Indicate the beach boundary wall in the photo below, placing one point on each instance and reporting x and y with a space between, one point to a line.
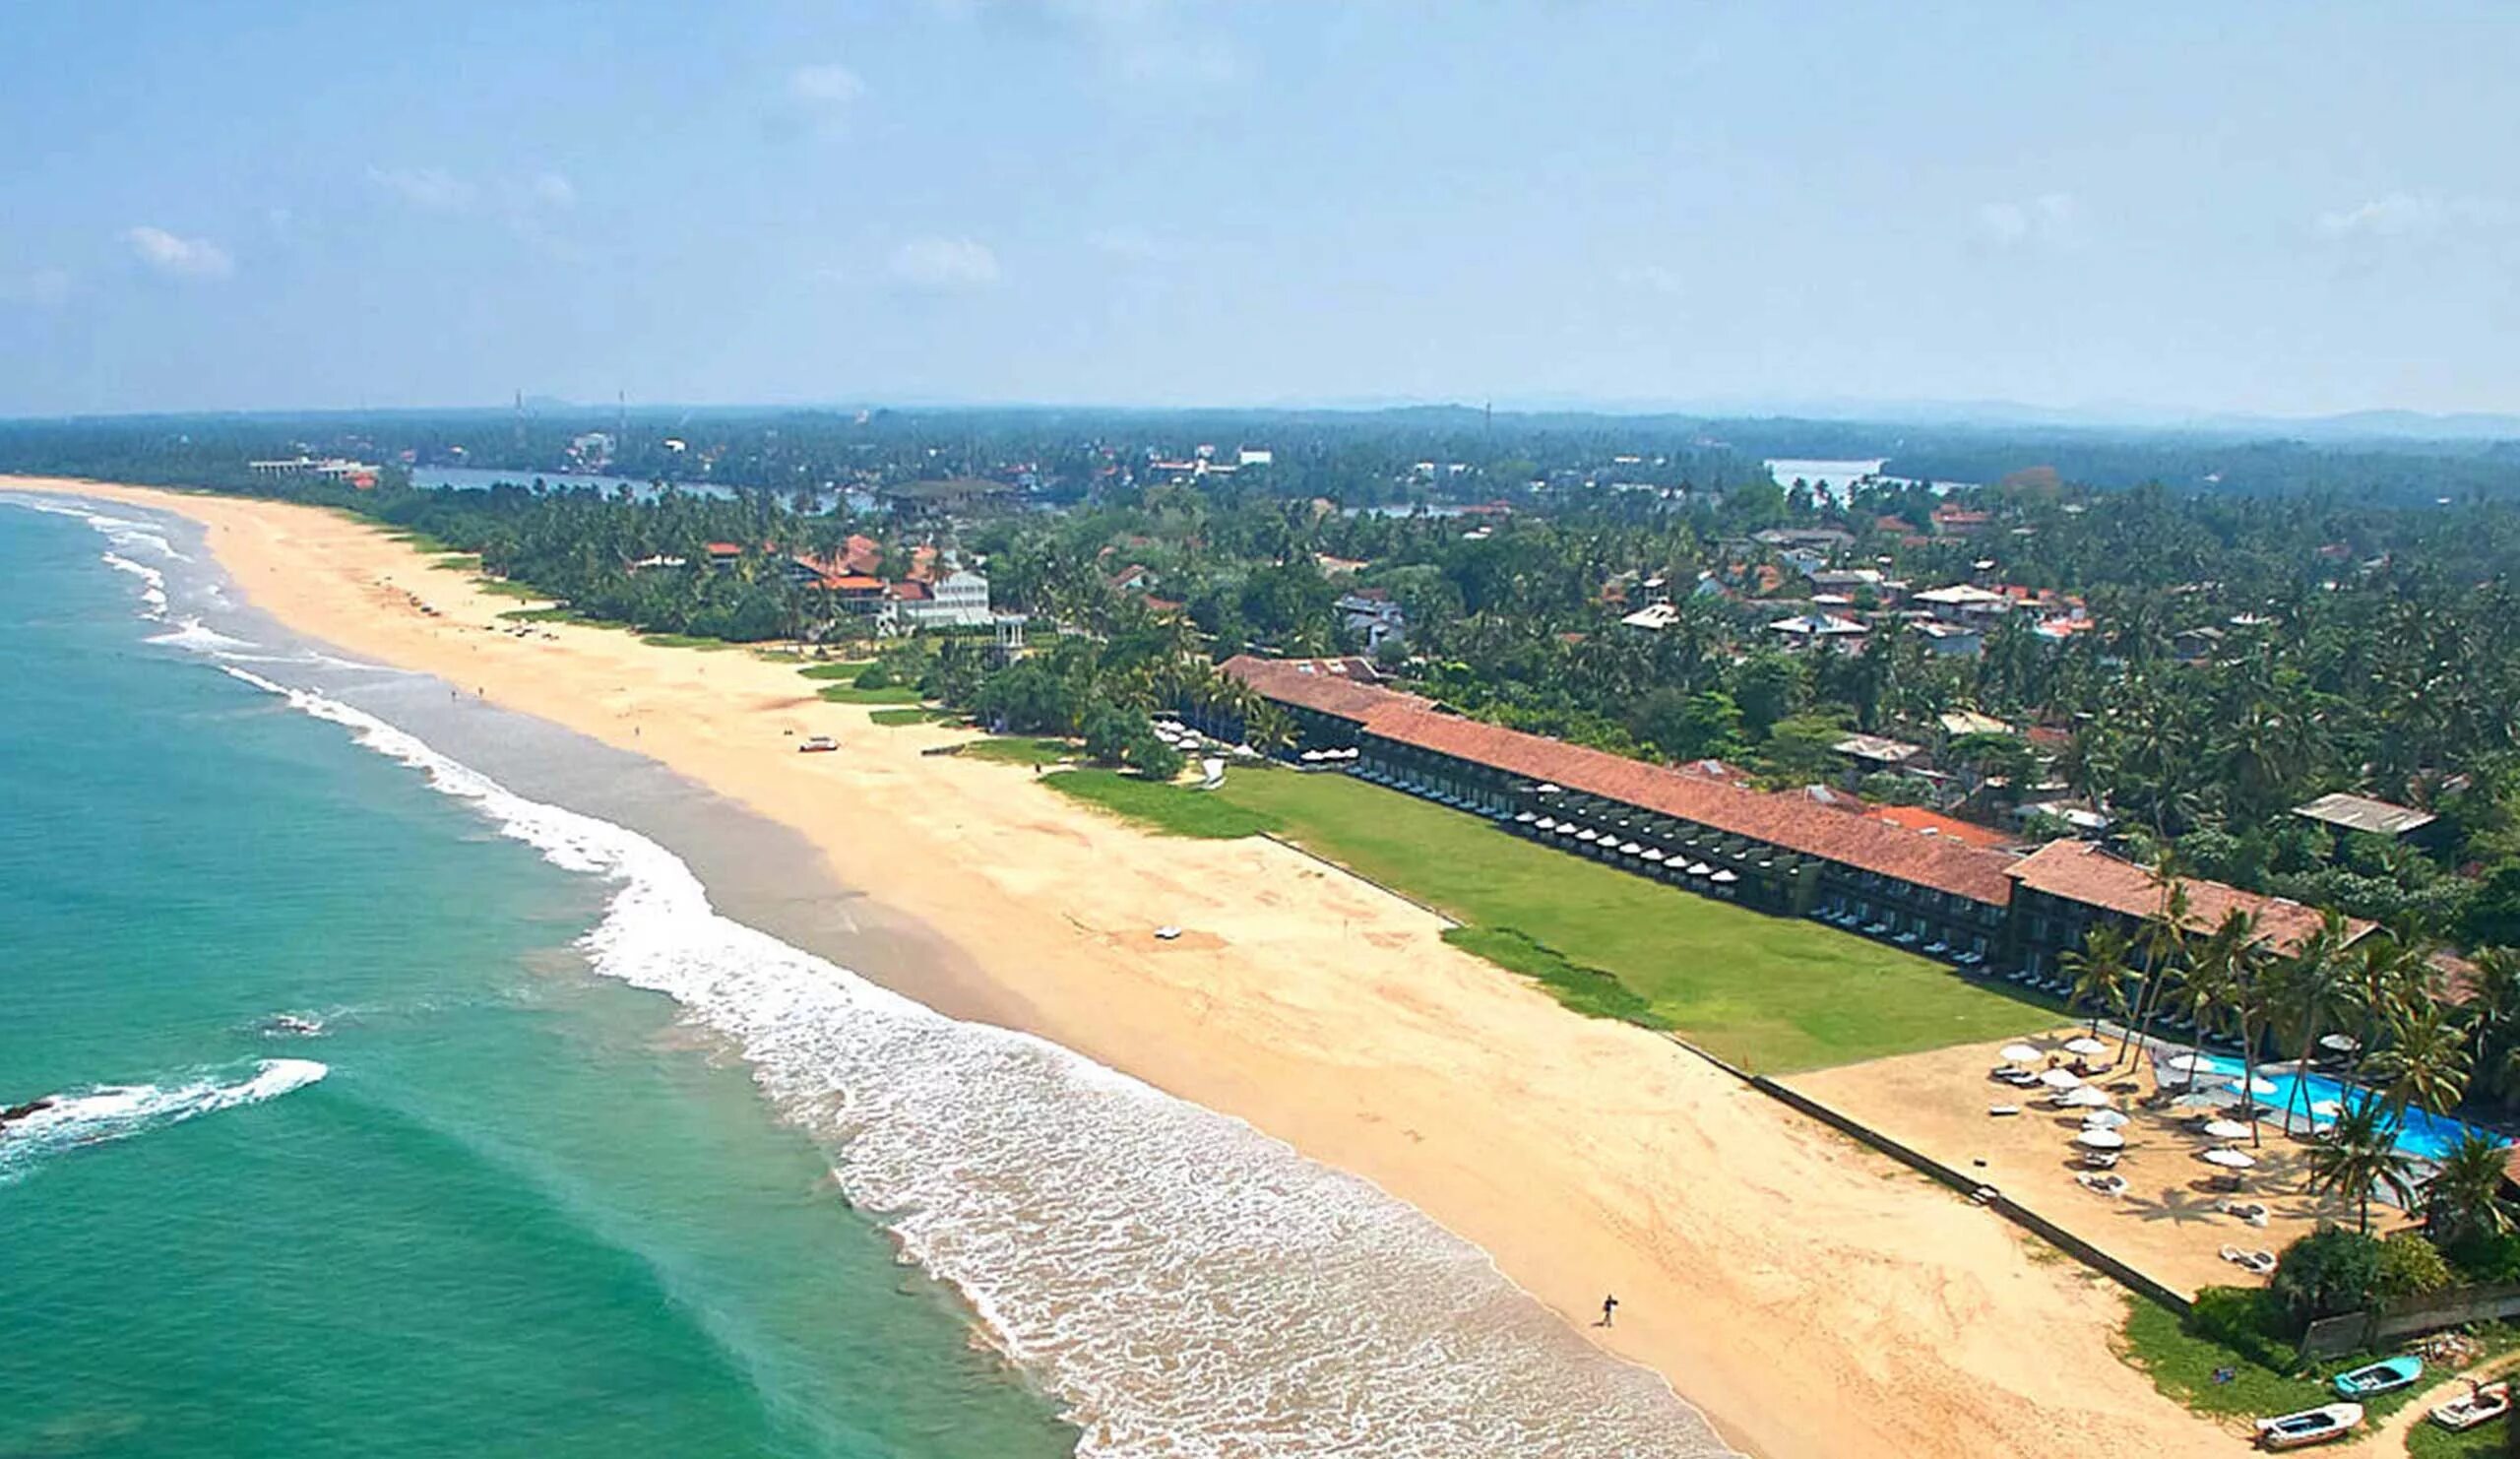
2353 1332
1976 1189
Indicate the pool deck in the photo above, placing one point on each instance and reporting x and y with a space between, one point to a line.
2169 1224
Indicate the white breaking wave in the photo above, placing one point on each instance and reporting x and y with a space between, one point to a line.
114 1111
192 633
152 583
1186 1286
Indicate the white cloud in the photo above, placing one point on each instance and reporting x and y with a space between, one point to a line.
1654 278
944 264
432 188
2405 215
552 190
824 87
36 287
1129 245
2049 218
185 258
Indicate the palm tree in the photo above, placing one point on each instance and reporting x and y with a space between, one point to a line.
2099 973
2426 1061
2359 1154
2307 993
2466 1193
2374 979
2163 943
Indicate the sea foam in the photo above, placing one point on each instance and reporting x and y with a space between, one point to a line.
1185 1285
115 1111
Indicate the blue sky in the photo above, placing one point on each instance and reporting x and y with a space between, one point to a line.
2291 209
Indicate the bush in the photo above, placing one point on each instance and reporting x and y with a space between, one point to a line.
2486 1256
2409 1266
1153 758
2330 1271
876 675
1109 731
2248 1320
1886 788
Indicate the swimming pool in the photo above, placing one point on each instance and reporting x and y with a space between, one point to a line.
2423 1135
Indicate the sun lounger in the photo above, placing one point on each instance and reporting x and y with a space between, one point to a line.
2003 1110
2111 1185
2100 1160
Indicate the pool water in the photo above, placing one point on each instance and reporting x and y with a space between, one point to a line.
2422 1134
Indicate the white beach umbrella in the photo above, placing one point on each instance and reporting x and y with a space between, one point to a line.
2085 1045
1700 870
1724 876
2325 1108
2019 1053
2100 1139
1315 756
2339 1042
2225 1129
2185 1062
1653 855
2107 1120
1588 834
2087 1097
2256 1086
2231 1160
2061 1079
1631 849
1545 823
1547 791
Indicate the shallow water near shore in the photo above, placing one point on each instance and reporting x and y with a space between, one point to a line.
1175 1281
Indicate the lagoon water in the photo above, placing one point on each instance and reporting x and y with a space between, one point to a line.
577 1161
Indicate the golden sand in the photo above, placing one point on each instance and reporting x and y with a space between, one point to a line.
1814 1299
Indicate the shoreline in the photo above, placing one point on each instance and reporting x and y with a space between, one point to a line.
1760 1262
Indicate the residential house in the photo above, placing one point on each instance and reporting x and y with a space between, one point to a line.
1819 631
2363 815
1951 640
1372 613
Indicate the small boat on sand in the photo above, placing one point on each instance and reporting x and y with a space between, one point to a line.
819 744
2483 1403
2387 1376
2309 1426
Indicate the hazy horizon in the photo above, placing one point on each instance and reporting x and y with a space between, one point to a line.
2137 217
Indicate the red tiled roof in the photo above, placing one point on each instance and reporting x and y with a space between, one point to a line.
850 583
1343 687
2080 872
1917 818
1789 822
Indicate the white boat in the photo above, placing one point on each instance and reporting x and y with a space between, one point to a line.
2482 1404
2309 1426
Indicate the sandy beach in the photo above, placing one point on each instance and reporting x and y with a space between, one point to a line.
1814 1299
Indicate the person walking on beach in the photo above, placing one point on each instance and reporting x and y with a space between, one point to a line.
1610 1304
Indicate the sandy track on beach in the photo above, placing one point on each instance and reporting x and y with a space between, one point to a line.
1815 1299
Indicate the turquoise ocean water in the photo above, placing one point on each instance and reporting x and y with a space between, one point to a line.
580 1163
518 1213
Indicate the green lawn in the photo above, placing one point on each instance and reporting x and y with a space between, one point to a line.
835 670
915 715
2430 1441
459 562
2182 1366
1171 809
1774 994
848 693
1017 749
502 587
685 641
